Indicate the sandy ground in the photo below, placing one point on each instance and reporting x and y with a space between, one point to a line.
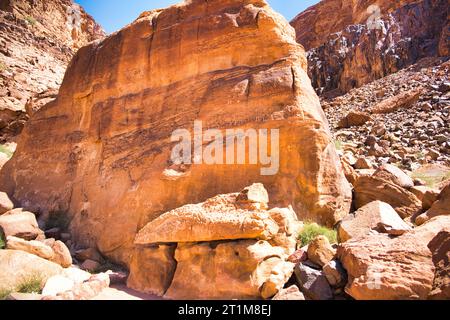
121 292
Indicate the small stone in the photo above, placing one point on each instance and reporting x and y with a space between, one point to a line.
313 283
335 274
90 265
5 203
363 163
320 251
291 293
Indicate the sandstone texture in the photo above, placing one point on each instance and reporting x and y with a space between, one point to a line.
361 42
440 248
101 151
217 250
381 268
375 216
411 137
18 266
440 207
37 40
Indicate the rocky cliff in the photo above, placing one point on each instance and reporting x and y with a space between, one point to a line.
361 42
102 151
37 40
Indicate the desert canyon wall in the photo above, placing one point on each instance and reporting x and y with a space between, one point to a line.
362 41
101 151
37 41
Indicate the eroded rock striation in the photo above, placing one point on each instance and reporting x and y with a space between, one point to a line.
101 151
361 42
37 40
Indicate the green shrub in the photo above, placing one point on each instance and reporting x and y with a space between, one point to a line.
432 179
338 144
2 242
312 230
6 151
31 284
4 294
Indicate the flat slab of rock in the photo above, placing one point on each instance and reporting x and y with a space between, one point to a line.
19 266
378 216
382 268
219 218
395 175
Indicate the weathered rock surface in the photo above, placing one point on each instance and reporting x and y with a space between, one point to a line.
377 216
107 135
335 274
351 44
219 218
427 195
21 224
354 118
37 41
313 283
247 269
5 203
440 248
291 293
201 252
33 247
383 268
320 251
152 269
370 189
408 137
61 254
18 266
395 175
439 208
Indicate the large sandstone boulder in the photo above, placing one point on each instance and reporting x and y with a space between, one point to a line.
440 248
375 216
370 188
102 151
18 267
247 269
219 218
152 269
382 268
395 175
21 224
216 250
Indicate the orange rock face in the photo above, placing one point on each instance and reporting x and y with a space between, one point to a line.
101 151
313 29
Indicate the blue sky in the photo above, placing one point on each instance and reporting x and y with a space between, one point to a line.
114 14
